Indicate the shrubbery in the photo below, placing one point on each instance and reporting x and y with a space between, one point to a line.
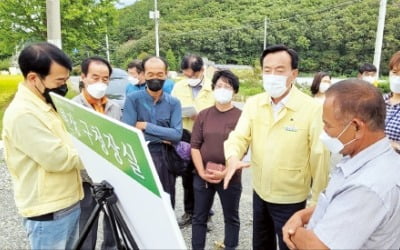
250 83
383 86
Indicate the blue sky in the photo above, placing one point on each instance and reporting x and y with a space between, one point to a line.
124 3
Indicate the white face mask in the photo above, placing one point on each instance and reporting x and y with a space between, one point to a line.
274 85
193 82
324 86
333 144
394 83
369 79
133 80
97 90
223 95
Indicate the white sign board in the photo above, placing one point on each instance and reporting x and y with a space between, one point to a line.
117 153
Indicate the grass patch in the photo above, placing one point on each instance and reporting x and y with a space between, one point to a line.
250 83
71 93
8 87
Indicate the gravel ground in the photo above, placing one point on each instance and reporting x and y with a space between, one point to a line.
217 234
12 233
13 236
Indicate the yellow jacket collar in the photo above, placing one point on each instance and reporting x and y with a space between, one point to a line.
27 94
292 101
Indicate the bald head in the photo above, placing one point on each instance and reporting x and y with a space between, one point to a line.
153 61
353 98
155 68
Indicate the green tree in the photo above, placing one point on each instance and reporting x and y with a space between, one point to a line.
5 64
171 59
142 55
84 24
330 35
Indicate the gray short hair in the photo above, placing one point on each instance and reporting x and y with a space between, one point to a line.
357 98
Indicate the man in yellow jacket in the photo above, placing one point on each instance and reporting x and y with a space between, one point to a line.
282 129
195 94
39 153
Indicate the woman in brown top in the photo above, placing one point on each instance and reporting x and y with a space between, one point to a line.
211 129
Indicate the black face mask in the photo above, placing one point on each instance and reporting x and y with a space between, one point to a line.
155 84
62 91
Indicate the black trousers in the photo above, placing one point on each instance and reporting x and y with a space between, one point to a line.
268 220
87 206
166 177
188 192
204 197
187 180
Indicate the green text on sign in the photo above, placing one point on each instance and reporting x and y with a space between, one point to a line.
118 145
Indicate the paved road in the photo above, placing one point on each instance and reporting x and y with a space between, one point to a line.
13 236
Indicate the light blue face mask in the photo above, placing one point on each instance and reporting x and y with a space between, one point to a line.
333 144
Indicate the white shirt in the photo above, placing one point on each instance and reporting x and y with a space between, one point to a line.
277 107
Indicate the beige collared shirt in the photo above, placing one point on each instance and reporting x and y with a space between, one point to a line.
277 107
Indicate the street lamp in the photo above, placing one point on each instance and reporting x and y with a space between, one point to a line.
155 15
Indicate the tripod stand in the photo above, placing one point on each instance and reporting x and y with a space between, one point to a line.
106 201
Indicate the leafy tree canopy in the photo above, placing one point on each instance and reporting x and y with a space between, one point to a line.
330 35
84 24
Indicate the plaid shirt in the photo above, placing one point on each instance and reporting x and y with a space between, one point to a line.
392 121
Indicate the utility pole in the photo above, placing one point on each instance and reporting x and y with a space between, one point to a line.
107 47
53 22
155 15
265 32
379 35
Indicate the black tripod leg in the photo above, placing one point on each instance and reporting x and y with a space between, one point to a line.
111 219
106 201
125 232
93 216
124 237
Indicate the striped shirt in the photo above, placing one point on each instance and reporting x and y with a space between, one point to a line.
392 128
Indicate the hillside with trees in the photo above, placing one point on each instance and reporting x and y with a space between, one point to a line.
331 35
